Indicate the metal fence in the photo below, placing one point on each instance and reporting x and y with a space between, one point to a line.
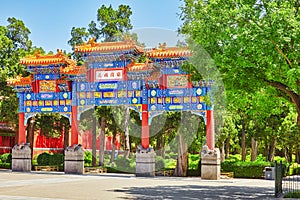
285 184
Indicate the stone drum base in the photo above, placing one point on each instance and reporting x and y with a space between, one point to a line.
210 164
21 158
74 159
145 162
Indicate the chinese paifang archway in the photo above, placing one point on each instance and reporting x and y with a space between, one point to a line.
111 77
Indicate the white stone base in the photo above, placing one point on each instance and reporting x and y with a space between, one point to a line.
74 160
210 164
21 158
145 163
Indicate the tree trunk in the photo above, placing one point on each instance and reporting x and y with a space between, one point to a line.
272 150
158 144
298 156
126 135
182 158
30 134
227 147
102 140
287 154
243 142
222 152
94 140
254 149
66 136
112 156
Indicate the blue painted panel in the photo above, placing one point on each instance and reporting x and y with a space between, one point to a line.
170 107
175 92
82 87
65 109
47 96
122 85
21 102
134 85
92 86
65 95
46 76
107 86
199 91
28 96
106 102
156 107
153 93
115 64
136 100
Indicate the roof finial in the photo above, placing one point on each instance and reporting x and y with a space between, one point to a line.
92 40
162 46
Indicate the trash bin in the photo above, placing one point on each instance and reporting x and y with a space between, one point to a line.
270 173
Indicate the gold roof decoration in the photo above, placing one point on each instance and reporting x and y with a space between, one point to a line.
106 47
19 80
168 52
73 70
38 59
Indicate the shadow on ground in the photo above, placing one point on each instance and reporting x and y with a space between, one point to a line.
197 192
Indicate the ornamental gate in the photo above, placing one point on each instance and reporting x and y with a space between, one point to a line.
111 77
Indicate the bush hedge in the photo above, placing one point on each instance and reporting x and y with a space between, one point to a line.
50 159
245 169
159 163
124 165
88 158
6 158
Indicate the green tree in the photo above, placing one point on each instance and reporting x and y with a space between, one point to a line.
78 36
111 22
14 44
253 43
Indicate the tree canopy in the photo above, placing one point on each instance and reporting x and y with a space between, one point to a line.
255 44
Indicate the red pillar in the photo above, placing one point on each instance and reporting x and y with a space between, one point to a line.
145 126
74 128
22 129
210 129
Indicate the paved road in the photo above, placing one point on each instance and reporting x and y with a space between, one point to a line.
58 186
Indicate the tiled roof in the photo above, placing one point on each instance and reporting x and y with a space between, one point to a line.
38 59
135 67
73 70
19 80
106 47
169 52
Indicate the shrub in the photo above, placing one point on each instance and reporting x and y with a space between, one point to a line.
296 171
88 158
292 195
56 159
6 158
193 161
123 164
50 159
43 159
159 163
245 169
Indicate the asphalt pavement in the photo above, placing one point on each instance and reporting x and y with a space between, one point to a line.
59 186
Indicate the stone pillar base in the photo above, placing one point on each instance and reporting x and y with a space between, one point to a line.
210 164
21 158
145 162
74 159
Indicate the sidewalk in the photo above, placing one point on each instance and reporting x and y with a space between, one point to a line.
58 186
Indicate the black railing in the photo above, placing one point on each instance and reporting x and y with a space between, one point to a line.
285 184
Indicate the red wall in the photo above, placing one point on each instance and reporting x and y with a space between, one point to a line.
56 145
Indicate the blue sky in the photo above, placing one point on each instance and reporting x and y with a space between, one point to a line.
51 21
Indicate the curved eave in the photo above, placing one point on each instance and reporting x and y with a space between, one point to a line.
41 61
171 54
